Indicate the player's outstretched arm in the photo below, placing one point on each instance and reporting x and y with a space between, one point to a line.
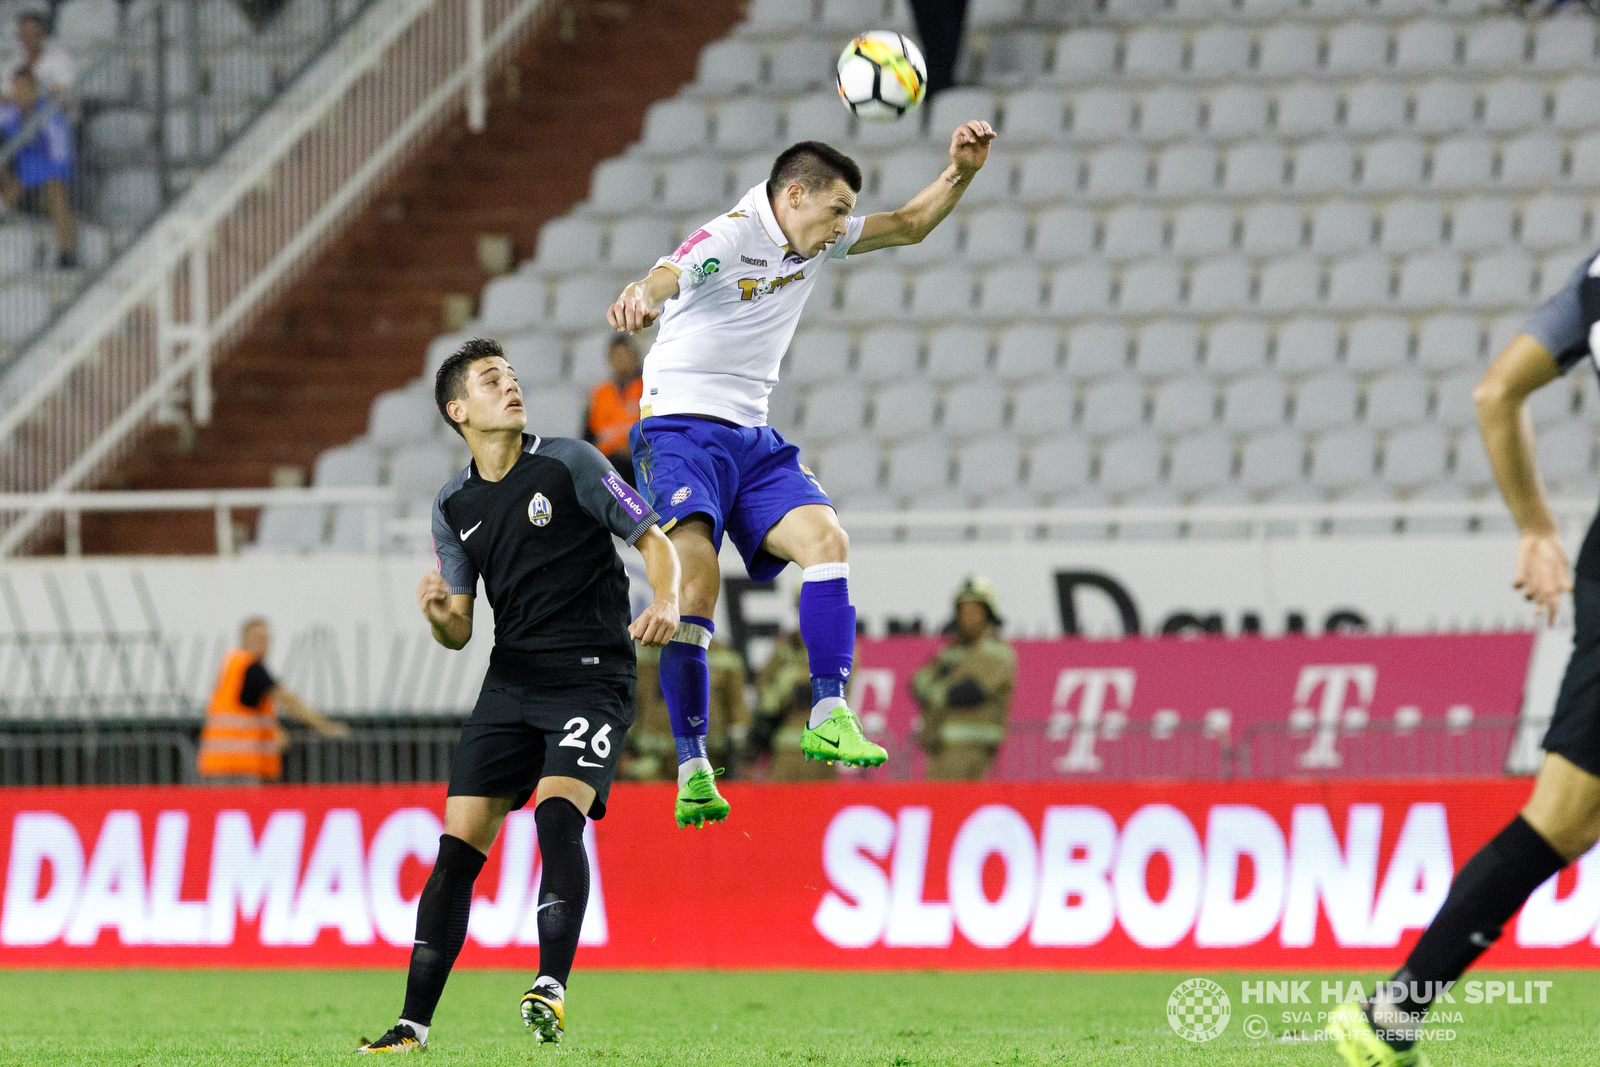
969 150
1525 365
658 622
638 306
450 614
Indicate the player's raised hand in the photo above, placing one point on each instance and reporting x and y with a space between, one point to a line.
632 311
969 145
1542 572
656 624
433 593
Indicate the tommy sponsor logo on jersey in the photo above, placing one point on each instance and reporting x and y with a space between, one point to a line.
539 510
755 288
626 496
680 496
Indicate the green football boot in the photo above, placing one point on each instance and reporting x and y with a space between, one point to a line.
839 739
699 802
1360 1044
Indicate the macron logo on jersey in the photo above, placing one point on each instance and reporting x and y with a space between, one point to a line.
626 496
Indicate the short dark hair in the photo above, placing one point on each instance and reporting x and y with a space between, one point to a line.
35 16
814 165
452 376
25 73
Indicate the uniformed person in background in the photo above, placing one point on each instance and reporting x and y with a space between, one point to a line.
964 692
783 707
652 754
242 742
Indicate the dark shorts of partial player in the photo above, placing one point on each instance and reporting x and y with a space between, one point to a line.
1574 731
744 479
519 734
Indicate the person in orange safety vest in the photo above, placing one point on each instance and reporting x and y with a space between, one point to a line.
614 406
241 742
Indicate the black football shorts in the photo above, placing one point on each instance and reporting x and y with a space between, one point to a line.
519 734
1575 725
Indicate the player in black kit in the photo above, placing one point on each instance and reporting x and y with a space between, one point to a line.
534 517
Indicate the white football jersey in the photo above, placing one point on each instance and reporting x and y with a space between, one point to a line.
740 295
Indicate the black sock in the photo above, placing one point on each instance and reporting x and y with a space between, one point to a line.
441 926
1489 889
563 885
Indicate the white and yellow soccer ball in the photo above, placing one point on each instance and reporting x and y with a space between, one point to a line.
882 75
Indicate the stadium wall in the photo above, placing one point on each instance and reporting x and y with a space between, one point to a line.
1285 874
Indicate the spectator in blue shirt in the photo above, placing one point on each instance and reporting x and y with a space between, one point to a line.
38 175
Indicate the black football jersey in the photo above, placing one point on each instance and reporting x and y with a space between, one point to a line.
541 540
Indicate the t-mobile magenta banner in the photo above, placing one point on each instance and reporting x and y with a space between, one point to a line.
1333 873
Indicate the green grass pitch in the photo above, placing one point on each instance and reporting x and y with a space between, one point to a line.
157 1018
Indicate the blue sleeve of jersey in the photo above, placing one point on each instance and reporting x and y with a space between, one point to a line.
454 566
1560 323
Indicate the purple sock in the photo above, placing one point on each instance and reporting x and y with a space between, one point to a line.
686 684
828 626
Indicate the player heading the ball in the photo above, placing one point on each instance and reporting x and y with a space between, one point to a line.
729 299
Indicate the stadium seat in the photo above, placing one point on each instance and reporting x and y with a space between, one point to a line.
1152 51
1512 104
1271 460
849 466
1272 228
128 198
1184 404
1397 399
354 464
1219 52
1133 232
834 409
956 353
1554 403
1325 166
1307 109
1166 348
1563 42
1084 55
974 408
1425 45
1552 221
289 528
637 242
620 185
996 234
1496 43
1392 165
1375 107
1481 223
555 412
1043 409
1429 279
1168 113
1343 458
1356 48
535 357
1445 342
1200 462
988 466
1253 167
1150 286
943 293
817 117
242 76
1414 456
1341 226
1062 233
1237 346
903 409
874 293
1288 48
420 470
906 173
1577 104
1566 452
1254 403
816 356
1359 281
120 133
1130 464
569 243
1412 225
1199 230
1377 343
1220 285
1113 406
1291 282
1080 289
729 66
673 126
1117 172
401 417
1326 401
581 301
1501 278
1307 344
1532 160
81 25
1046 175
590 362
1059 464
1027 351
694 184
1015 57
955 106
1186 170
1444 106
888 353
1237 111
746 124
1465 162
1011 291
918 466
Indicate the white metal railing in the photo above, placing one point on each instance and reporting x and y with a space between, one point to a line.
137 349
1227 522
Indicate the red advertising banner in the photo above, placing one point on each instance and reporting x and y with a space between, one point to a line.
1217 707
1340 873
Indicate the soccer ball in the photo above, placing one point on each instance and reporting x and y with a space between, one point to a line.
881 75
